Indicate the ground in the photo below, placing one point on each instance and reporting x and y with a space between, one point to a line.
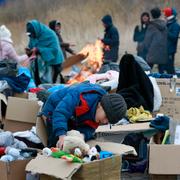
134 176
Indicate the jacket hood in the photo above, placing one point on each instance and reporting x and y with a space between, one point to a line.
52 24
5 34
107 20
159 24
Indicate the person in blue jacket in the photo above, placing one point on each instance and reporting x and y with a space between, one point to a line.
82 107
44 43
173 35
110 40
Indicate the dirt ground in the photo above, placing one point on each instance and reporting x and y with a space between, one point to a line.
134 176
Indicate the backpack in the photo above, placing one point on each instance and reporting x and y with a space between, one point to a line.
139 142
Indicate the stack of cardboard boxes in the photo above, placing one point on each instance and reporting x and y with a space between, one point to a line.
20 116
164 159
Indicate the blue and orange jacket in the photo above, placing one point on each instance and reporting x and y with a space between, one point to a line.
74 107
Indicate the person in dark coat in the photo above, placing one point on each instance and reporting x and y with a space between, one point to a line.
82 107
110 40
139 32
134 85
173 35
56 27
155 41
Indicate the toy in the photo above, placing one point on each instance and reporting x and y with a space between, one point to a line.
56 153
93 154
74 140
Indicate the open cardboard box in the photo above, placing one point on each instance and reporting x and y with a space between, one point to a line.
21 114
164 159
51 168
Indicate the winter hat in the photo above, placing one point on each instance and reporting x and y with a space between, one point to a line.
161 123
155 13
168 12
114 106
5 34
107 20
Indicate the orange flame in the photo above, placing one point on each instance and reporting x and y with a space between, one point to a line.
92 63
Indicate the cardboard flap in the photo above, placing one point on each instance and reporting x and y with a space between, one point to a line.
41 131
23 110
125 128
164 159
58 168
115 148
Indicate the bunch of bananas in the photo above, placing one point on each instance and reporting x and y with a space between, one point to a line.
138 114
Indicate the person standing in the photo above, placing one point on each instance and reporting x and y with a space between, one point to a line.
139 32
56 27
110 40
173 35
155 41
44 43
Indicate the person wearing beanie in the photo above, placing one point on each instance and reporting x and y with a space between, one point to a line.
139 32
110 40
7 50
155 41
81 107
173 35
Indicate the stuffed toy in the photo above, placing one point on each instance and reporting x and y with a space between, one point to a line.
93 154
56 153
74 143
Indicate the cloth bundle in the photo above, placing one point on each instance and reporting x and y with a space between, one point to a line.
138 115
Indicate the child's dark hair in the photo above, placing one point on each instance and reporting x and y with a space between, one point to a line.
155 13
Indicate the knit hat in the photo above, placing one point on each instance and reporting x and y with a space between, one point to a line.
168 12
5 34
114 106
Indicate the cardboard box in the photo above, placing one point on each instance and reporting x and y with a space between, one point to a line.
21 95
21 114
170 92
164 159
52 168
108 168
14 170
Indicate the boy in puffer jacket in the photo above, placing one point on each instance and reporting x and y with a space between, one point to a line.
82 107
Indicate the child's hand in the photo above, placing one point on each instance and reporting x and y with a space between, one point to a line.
60 142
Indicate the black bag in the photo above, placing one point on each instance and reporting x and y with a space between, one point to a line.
139 142
8 68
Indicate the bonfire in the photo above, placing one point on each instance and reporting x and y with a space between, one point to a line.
91 64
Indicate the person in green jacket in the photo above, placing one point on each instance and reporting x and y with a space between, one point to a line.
43 42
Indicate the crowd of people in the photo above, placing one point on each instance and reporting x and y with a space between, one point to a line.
85 106
157 38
